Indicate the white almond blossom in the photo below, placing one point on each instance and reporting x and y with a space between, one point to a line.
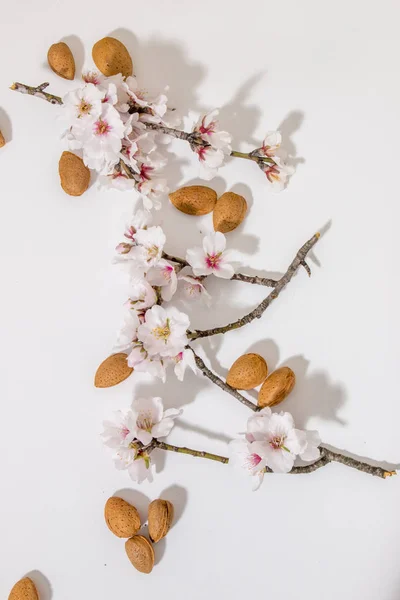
164 331
278 174
102 141
193 288
182 360
208 128
212 155
93 77
119 433
153 190
140 469
152 241
136 462
275 169
151 420
272 441
118 180
210 160
131 433
82 107
127 335
141 219
163 275
110 95
312 451
142 362
212 258
277 440
271 144
243 456
141 294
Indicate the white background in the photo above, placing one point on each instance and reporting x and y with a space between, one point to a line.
326 75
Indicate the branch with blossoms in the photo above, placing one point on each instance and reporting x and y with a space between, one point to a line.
117 128
156 334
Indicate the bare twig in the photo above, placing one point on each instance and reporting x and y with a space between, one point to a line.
183 450
37 91
255 279
262 307
220 383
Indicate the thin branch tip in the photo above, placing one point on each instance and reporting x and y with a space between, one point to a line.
389 474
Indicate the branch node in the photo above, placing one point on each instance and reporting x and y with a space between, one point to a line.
307 268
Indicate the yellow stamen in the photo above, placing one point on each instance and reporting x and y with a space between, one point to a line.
162 333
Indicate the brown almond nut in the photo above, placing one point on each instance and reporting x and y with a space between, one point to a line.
24 589
112 371
276 387
111 57
2 140
61 60
247 372
229 212
160 516
194 199
141 553
74 174
121 517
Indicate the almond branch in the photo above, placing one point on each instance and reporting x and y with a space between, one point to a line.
193 138
299 260
37 91
327 456
255 279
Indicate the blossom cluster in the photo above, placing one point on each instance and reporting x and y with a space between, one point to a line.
118 128
154 336
132 432
272 441
217 147
273 162
107 119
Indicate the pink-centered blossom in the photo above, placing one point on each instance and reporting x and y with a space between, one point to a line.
277 174
271 440
194 288
208 128
281 442
120 432
82 107
93 77
183 360
102 142
151 420
131 433
243 456
210 160
212 258
163 275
